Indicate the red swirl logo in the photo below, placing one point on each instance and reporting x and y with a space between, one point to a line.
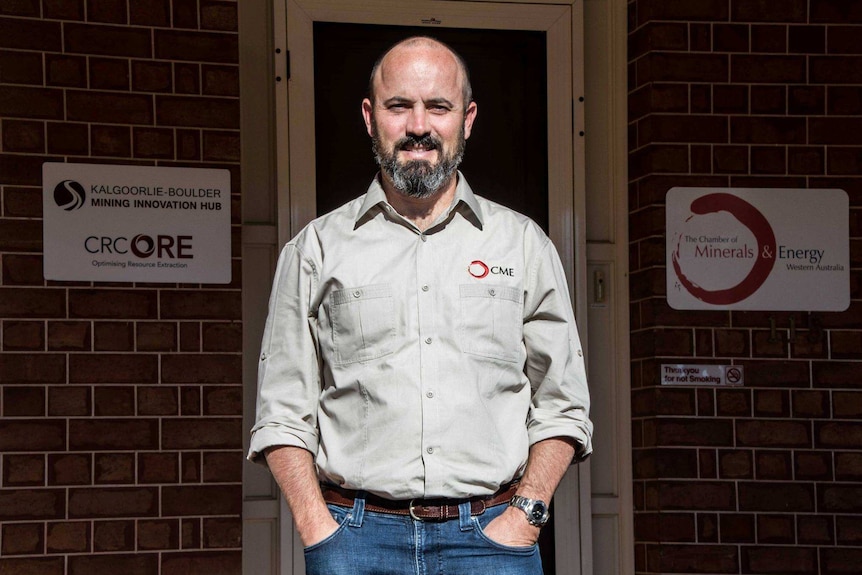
750 217
478 269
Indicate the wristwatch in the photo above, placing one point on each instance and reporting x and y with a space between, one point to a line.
535 509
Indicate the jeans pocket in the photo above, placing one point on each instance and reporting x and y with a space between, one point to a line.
480 532
342 516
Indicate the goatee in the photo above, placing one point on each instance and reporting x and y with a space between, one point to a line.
418 178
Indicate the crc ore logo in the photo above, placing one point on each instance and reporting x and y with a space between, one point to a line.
69 195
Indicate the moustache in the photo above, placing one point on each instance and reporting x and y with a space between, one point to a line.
427 142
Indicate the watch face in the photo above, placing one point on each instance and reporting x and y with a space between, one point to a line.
538 512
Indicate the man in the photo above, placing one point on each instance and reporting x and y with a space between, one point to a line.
421 383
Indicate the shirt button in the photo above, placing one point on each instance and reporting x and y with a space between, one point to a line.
424 237
425 288
427 340
580 353
492 291
263 357
357 293
430 450
430 394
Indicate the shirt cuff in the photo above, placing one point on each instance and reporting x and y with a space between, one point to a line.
581 431
266 435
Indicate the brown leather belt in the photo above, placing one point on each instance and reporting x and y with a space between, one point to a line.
424 509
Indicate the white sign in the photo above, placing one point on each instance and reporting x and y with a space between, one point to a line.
758 249
136 223
682 374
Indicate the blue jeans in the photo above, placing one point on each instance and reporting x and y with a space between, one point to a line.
370 543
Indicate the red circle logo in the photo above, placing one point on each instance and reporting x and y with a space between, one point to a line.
477 269
750 217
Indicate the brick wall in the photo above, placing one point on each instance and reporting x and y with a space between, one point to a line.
121 403
766 478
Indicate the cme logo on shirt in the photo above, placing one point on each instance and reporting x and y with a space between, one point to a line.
479 269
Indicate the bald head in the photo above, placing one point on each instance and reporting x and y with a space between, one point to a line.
420 43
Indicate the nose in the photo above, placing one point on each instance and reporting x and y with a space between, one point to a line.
417 125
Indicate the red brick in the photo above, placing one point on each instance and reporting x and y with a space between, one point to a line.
113 141
148 76
778 497
662 10
113 11
835 70
208 433
849 530
17 169
201 500
222 467
107 40
730 159
32 368
196 46
790 11
665 527
807 39
150 13
836 11
694 559
222 400
785 374
759 433
69 401
113 336
767 560
23 136
814 530
28 34
813 466
24 203
69 469
767 130
109 74
23 335
221 146
768 69
210 368
113 401
109 107
67 138
158 467
676 67
664 401
113 434
190 533
810 403
771 403
156 336
137 564
836 498
69 336
841 561
188 144
113 368
21 67
23 470
158 400
153 143
847 404
64 9
185 13
737 528
113 502
842 435
218 16
767 38
23 539
845 100
114 468
220 80
187 78
158 534
113 304
809 100
32 566
66 71
68 537
21 401
21 102
24 505
768 160
20 235
224 563
224 533
699 495
20 7
773 465
114 535
848 466
190 398
188 111
190 465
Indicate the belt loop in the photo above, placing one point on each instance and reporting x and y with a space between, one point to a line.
357 514
465 516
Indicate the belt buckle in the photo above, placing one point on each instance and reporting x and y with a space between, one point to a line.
412 513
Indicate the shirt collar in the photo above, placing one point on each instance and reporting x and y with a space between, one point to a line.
375 197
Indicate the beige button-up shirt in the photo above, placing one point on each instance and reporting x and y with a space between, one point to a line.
420 364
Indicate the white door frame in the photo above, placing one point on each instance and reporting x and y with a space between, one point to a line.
267 533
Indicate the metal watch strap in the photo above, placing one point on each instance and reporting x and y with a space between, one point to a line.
536 510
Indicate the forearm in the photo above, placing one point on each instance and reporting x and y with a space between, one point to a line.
294 471
547 464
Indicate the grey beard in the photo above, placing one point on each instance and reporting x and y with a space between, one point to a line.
418 178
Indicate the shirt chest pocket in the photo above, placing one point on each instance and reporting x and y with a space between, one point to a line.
491 321
363 326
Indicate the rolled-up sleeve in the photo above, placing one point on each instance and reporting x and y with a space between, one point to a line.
555 360
288 375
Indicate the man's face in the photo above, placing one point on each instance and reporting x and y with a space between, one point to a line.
418 121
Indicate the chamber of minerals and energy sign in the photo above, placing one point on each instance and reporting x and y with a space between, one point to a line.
758 249
136 223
